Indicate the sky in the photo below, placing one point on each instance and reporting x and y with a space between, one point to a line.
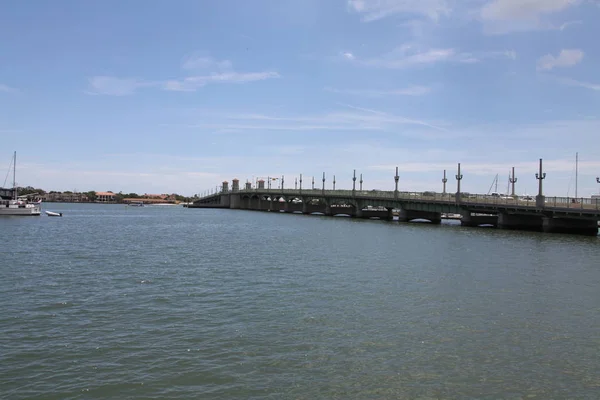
176 97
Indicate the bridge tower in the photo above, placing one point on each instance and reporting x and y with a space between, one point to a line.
512 181
261 184
444 181
225 187
235 185
458 179
248 186
540 200
396 179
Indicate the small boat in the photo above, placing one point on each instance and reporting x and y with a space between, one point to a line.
136 204
16 205
53 214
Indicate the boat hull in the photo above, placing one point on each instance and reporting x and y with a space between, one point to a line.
21 211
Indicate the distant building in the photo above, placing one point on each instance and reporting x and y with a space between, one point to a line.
66 197
105 197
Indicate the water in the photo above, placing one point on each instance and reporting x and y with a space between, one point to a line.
165 302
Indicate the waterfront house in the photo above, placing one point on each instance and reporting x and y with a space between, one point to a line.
105 197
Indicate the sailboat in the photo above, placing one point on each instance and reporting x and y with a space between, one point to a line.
15 205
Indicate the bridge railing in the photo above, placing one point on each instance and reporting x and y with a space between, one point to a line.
466 198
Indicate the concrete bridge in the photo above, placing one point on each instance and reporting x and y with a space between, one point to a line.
546 214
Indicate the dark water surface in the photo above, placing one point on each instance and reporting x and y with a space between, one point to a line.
170 303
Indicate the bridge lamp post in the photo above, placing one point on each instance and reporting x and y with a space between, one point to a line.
444 181
282 181
334 182
512 181
354 184
539 200
300 183
313 183
296 184
458 179
361 182
323 190
396 179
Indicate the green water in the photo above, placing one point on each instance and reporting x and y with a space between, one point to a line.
115 302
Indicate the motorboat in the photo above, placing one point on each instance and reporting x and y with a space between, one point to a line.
53 214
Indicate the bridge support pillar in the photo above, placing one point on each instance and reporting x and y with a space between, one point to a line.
234 201
358 212
389 216
328 210
409 215
520 222
588 227
225 200
468 219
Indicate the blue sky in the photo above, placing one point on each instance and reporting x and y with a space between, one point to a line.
179 96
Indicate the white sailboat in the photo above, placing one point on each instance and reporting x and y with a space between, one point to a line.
15 206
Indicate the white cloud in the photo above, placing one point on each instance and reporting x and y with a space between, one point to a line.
215 72
407 56
373 10
569 23
566 58
506 16
523 9
7 89
409 91
107 85
573 82
192 83
348 56
355 120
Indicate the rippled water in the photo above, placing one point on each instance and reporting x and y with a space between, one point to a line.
166 302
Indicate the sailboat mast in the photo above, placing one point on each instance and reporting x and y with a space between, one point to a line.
576 172
15 175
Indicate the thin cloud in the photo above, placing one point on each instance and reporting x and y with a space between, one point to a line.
7 89
478 168
375 10
193 83
409 91
566 58
111 86
523 10
407 56
576 83
358 119
507 16
215 72
569 23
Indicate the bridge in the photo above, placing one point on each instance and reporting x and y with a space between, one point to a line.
545 214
